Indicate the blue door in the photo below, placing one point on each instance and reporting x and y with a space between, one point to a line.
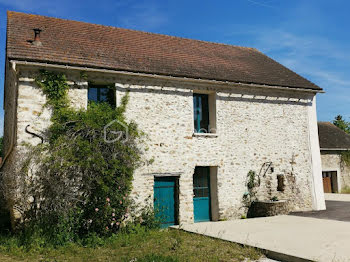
201 191
165 200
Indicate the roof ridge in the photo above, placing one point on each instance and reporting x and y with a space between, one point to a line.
134 30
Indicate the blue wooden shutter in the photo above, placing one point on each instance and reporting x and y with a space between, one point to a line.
201 113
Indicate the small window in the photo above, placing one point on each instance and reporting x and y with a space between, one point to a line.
204 112
201 113
201 182
101 94
280 183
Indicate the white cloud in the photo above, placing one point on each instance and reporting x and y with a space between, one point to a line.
20 4
142 16
48 7
312 56
261 3
319 59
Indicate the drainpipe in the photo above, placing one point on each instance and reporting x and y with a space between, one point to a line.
12 142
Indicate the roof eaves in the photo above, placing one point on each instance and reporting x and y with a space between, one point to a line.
144 73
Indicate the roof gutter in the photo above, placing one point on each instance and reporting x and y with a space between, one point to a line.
175 78
334 149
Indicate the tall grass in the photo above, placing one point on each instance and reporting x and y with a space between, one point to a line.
132 244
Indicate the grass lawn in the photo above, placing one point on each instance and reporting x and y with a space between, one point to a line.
143 246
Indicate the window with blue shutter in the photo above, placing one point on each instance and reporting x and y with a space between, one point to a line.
101 94
201 113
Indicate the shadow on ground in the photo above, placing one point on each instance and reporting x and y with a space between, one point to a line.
336 210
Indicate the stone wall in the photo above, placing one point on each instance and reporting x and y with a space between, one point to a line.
331 161
254 127
31 109
268 208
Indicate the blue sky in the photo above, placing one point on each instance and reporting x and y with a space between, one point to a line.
310 37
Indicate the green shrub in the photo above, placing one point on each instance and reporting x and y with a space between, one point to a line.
82 181
81 175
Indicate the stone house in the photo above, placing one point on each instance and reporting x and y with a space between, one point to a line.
333 143
212 112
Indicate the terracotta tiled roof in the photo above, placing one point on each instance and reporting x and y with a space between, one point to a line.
78 43
332 137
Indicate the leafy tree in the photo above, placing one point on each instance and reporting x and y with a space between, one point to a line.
341 123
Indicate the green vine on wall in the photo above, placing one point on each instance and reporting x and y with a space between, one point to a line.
253 182
345 158
81 179
54 87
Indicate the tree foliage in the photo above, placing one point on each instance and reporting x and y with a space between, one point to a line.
342 124
345 126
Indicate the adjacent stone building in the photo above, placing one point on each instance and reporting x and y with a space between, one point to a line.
334 143
212 112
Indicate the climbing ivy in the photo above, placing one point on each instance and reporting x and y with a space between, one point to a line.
54 87
81 179
345 158
252 183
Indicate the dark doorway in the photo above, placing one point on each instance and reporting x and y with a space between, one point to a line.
330 181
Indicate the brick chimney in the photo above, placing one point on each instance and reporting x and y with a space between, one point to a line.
37 41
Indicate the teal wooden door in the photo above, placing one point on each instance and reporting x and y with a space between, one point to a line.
201 191
165 200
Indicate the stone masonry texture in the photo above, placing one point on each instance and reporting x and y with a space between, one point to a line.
331 161
253 127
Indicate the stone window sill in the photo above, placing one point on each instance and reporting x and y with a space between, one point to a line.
205 135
